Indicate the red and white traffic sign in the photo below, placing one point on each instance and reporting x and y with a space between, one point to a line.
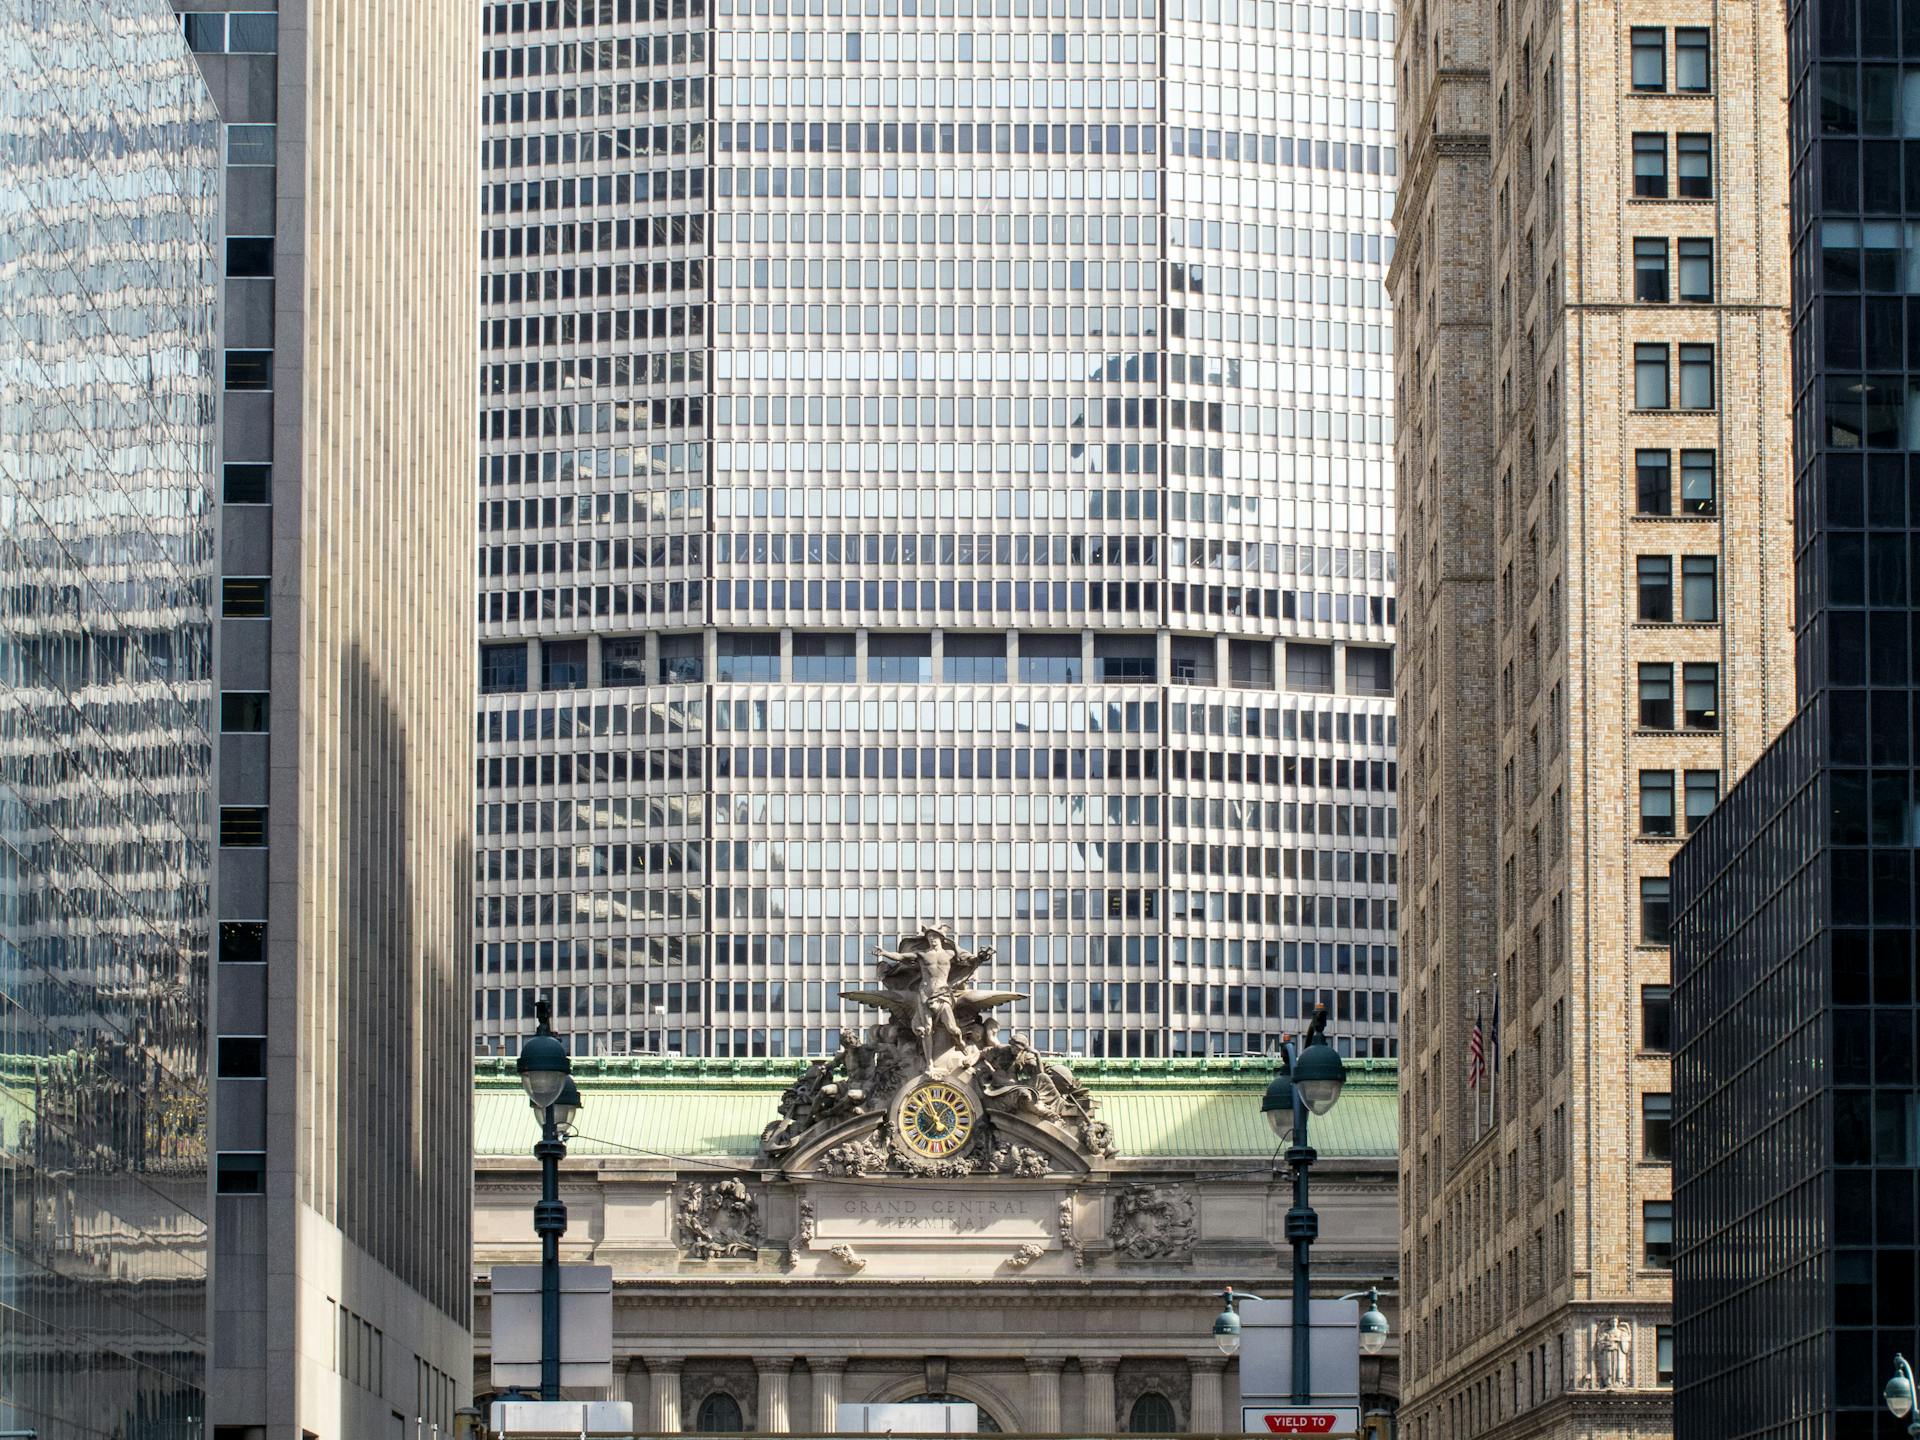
1300 1420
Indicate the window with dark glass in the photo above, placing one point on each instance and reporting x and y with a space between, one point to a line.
1310 668
246 484
1692 59
240 1172
1700 697
1656 802
1656 1220
1656 1017
503 668
206 32
1050 658
1655 588
623 661
250 145
1663 1354
1369 671
1655 910
682 659
1650 270
1656 1127
974 659
243 712
1649 60
1703 795
1650 388
241 1057
1653 482
1650 165
245 597
563 665
253 33
1656 697
243 942
243 827
1696 270
827 658
746 656
719 1414
1152 1414
1699 484
1125 659
249 369
1693 166
900 659
1699 589
249 256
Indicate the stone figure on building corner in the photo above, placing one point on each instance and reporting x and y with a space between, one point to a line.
932 1089
1611 1342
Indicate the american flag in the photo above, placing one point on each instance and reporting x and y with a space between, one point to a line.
1476 1056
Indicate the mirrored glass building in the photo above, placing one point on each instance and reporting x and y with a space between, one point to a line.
1796 1119
109 216
936 468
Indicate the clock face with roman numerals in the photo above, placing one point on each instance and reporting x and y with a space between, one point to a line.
936 1120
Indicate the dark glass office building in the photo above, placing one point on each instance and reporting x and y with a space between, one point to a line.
109 215
1796 1129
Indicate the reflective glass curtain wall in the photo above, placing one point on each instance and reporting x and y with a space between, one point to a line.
1796 1134
109 212
936 468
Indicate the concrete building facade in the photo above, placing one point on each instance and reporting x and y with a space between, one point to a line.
1593 382
935 465
342 1206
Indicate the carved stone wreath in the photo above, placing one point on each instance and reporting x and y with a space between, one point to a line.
719 1220
1152 1222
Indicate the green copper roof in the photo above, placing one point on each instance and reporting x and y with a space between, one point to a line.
646 1106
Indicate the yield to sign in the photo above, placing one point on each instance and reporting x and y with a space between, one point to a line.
1301 1420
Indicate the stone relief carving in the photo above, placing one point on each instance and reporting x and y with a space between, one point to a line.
1025 1256
938 1029
1068 1241
849 1257
1153 1222
803 1232
719 1220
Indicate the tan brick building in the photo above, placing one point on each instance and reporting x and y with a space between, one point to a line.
1591 302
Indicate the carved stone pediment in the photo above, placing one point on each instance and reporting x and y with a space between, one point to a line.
933 1090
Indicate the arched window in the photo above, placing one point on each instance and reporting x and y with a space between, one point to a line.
1152 1415
719 1415
987 1424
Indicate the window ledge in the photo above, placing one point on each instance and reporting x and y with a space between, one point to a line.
1693 519
1677 731
1676 624
1675 410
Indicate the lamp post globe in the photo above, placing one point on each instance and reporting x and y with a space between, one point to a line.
544 1064
1277 1105
566 1106
1373 1326
1226 1329
1319 1074
1899 1391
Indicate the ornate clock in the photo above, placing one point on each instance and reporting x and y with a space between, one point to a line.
935 1120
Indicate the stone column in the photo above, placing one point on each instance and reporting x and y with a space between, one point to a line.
774 1373
631 1384
663 1395
1209 1379
1099 1419
827 1375
1044 1385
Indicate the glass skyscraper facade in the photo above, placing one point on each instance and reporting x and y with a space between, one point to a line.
109 213
1796 1126
935 468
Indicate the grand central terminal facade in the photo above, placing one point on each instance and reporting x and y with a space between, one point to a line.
935 1213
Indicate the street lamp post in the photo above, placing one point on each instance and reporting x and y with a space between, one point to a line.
1307 1084
1899 1393
546 1072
